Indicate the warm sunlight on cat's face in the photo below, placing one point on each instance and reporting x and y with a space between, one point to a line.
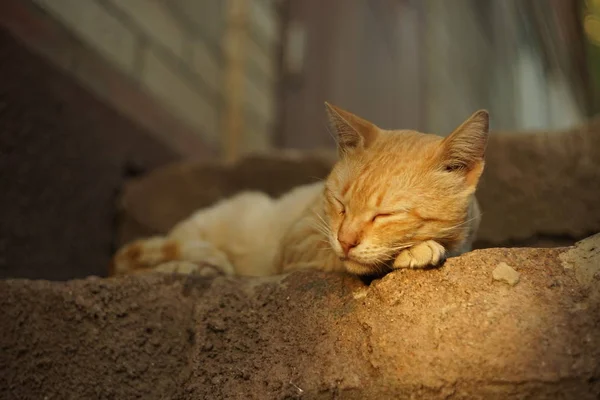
394 189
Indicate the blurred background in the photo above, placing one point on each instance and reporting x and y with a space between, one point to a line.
94 92
247 75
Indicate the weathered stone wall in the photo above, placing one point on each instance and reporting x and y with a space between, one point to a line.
460 331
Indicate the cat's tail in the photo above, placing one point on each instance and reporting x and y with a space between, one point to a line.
148 254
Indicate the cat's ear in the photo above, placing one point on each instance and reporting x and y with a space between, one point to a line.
464 150
351 131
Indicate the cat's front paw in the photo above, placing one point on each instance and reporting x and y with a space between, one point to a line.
425 254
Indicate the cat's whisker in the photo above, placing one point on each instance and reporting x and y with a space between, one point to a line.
458 225
321 218
380 265
320 224
402 246
322 231
320 228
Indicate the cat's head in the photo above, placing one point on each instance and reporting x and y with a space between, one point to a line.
394 188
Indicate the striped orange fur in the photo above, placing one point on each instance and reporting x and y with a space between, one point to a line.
394 199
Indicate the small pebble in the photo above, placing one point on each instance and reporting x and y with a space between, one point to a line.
505 273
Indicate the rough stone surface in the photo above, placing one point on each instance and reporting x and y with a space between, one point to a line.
443 333
584 258
505 273
541 187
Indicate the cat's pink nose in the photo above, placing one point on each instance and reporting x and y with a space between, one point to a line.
348 242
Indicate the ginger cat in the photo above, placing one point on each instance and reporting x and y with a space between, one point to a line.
395 199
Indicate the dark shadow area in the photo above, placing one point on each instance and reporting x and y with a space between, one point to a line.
64 155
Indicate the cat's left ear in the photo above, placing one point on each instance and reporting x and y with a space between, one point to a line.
464 150
351 131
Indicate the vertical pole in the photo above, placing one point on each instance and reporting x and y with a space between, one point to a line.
234 56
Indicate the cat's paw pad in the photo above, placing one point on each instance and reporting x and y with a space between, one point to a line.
429 253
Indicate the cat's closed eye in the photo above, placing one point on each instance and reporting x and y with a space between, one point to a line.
382 215
341 208
395 214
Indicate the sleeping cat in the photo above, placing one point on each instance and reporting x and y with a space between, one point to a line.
395 199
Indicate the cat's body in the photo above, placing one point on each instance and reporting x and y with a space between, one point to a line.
395 199
242 235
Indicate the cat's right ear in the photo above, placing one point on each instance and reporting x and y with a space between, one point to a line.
351 132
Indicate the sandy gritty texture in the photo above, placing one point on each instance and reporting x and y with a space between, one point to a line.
452 332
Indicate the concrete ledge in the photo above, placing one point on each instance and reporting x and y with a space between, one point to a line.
451 332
